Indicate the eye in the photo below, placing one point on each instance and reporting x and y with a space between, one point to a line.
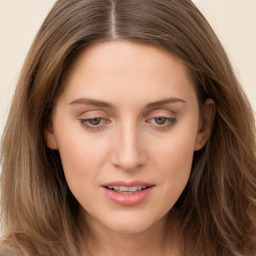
95 123
161 122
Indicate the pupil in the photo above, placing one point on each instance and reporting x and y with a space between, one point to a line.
94 121
160 120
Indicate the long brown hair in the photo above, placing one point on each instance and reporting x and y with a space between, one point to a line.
218 206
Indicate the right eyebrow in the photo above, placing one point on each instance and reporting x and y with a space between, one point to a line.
92 102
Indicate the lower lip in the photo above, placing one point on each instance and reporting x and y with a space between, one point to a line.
129 198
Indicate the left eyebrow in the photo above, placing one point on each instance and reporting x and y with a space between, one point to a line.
165 101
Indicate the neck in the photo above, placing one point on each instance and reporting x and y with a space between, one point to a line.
102 241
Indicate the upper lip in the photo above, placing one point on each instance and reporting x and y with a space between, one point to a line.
128 183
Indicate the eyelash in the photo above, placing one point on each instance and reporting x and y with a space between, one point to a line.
86 123
170 122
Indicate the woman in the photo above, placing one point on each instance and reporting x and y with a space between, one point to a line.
128 133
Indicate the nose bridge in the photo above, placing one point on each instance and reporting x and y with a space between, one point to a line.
128 152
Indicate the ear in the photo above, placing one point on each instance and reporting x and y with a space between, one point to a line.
50 137
205 124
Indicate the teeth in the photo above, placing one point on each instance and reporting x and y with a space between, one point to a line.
133 189
127 189
123 189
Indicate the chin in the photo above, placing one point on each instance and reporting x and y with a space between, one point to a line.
128 223
130 229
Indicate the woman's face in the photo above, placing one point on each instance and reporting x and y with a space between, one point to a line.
126 127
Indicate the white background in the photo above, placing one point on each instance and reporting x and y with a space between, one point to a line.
233 20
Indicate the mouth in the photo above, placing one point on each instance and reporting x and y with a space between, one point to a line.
127 190
128 193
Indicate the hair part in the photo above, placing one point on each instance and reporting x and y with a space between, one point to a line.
217 208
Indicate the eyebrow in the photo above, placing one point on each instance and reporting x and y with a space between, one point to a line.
92 102
99 103
164 102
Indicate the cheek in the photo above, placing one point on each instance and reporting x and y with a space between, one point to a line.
174 157
72 154
83 157
80 164
176 162
79 152
175 173
80 158
176 151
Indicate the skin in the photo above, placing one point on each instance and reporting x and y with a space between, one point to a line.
128 143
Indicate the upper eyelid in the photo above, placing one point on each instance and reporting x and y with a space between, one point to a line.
93 114
160 112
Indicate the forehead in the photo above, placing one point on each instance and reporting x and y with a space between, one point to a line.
121 68
119 53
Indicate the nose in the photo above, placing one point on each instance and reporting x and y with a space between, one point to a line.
129 151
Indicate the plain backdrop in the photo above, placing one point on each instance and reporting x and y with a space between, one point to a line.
234 21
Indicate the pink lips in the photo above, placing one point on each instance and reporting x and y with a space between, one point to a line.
131 198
